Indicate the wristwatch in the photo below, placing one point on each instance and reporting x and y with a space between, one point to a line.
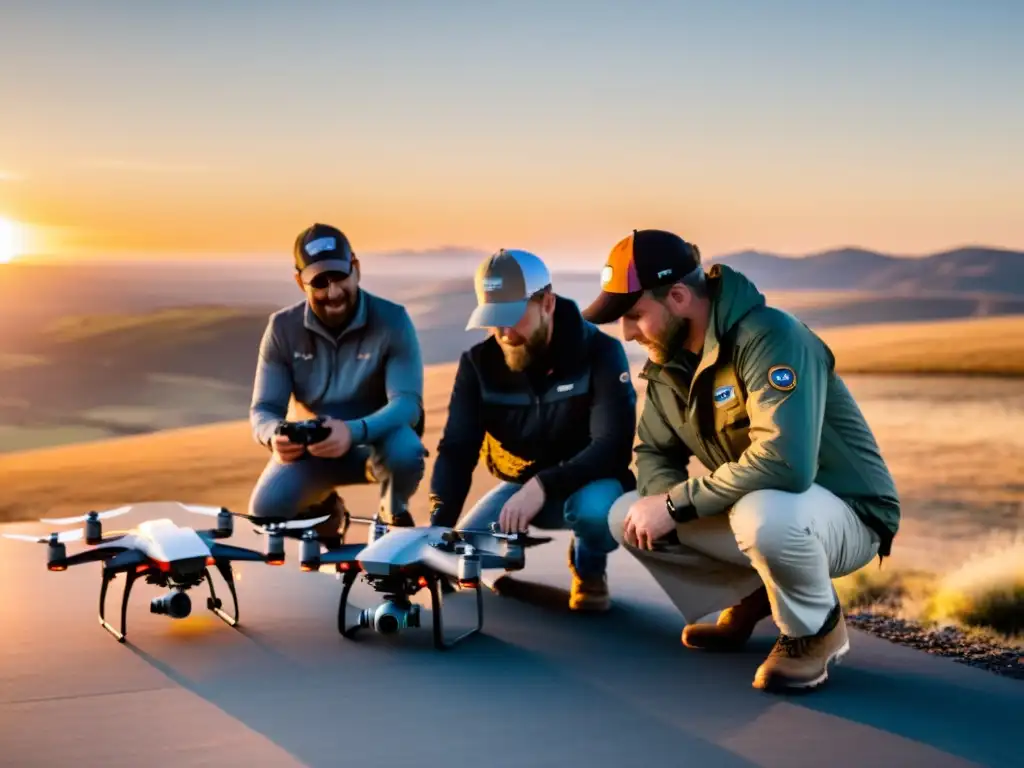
680 515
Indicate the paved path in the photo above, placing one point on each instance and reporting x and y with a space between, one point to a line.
542 688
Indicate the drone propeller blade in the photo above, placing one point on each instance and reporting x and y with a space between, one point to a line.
62 537
292 525
25 537
203 509
82 518
306 523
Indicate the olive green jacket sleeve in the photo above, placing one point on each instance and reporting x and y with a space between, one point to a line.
784 370
661 457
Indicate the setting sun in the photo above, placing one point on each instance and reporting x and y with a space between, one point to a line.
9 246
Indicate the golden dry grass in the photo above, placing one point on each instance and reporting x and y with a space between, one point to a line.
992 346
983 594
215 464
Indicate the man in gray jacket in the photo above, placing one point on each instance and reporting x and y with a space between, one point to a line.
353 358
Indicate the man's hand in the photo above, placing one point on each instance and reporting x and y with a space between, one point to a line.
522 507
646 521
337 443
285 451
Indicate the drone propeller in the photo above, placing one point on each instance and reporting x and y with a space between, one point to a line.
84 518
61 538
292 525
203 509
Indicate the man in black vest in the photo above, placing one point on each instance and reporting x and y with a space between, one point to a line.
549 402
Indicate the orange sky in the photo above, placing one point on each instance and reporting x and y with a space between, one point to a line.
519 127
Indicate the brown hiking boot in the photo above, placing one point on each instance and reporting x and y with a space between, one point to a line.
734 627
801 663
587 594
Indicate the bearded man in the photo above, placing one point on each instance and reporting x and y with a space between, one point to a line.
354 359
797 492
548 401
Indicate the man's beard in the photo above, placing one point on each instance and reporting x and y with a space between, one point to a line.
519 357
664 348
335 313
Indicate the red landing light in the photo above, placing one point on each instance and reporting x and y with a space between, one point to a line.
469 583
422 581
210 561
56 567
275 561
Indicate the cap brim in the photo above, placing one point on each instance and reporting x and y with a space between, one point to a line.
609 307
327 265
503 315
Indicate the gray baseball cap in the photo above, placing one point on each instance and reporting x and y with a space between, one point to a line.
504 284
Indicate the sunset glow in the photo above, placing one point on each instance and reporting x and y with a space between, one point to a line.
9 240
774 130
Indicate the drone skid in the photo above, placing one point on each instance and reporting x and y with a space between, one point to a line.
164 579
397 590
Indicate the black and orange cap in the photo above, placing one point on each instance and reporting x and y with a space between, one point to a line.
645 259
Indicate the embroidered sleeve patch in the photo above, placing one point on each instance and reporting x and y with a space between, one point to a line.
724 394
782 377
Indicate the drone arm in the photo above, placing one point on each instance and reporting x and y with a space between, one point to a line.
107 553
347 553
231 552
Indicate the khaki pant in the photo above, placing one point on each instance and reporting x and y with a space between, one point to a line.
794 544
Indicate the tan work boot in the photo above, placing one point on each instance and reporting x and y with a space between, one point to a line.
734 627
590 594
801 663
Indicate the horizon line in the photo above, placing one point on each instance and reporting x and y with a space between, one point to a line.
458 251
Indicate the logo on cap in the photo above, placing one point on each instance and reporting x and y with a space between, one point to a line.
314 247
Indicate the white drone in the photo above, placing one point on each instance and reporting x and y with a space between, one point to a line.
399 561
166 554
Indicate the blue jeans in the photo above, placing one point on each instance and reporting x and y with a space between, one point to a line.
585 513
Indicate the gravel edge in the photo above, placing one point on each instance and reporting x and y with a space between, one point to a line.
949 642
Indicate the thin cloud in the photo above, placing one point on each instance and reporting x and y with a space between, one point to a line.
141 166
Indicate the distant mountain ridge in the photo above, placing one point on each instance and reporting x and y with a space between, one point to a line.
971 269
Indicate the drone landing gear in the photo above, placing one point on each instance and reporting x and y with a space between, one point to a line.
109 576
132 575
436 588
214 603
434 585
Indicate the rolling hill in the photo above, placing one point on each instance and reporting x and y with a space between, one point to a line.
91 351
968 270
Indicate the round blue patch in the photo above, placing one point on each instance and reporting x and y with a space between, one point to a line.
782 377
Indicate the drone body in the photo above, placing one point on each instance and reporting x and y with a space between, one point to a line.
163 553
399 561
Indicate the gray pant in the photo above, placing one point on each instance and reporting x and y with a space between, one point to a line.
792 543
396 462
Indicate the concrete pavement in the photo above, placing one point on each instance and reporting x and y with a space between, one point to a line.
542 687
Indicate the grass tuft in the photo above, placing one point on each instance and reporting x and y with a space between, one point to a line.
983 596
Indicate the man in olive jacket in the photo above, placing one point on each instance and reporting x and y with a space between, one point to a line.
797 492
